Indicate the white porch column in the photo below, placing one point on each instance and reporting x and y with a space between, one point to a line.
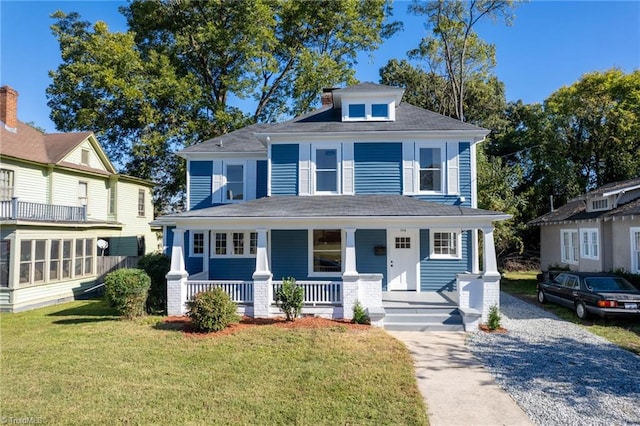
205 254
177 276
350 252
262 289
491 276
475 255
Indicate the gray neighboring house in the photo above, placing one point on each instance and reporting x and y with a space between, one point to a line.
597 231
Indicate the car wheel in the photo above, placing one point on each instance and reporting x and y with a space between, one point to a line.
581 311
541 297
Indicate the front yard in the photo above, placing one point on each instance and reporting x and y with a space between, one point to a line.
77 363
624 333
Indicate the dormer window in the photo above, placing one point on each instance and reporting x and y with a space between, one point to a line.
600 204
380 111
356 111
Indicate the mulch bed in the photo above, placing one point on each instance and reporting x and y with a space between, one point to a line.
183 323
486 329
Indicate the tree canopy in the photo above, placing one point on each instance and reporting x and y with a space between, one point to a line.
172 79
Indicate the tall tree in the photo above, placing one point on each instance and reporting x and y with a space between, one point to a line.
454 49
171 79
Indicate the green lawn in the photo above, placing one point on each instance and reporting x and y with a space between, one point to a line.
623 332
77 363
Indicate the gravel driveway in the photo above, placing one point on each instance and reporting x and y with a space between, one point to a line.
559 373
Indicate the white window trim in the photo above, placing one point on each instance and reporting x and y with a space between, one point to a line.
83 200
603 200
442 146
368 114
566 257
191 243
310 271
230 254
338 148
434 255
588 254
635 262
224 180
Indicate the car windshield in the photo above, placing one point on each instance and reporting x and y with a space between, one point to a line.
608 284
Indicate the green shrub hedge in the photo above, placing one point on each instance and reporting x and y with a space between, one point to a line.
212 310
127 290
157 266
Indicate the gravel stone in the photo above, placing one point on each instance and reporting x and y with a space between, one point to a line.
558 372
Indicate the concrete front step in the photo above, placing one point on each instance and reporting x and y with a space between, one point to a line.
422 318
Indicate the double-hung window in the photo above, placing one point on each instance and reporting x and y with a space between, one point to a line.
635 250
326 252
6 184
445 244
234 176
589 243
32 261
84 257
327 172
83 192
569 241
431 169
141 202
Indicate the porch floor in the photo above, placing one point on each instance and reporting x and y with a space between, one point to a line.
423 298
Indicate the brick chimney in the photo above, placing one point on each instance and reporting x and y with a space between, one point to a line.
327 97
9 108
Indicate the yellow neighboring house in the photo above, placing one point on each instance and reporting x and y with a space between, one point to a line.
62 205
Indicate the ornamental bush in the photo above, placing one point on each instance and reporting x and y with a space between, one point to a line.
360 315
212 310
127 290
157 266
493 321
290 298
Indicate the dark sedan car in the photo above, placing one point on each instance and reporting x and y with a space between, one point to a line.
605 295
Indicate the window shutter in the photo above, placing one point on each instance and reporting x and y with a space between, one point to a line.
348 185
217 184
304 183
408 167
453 168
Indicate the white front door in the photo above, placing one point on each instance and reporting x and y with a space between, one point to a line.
402 259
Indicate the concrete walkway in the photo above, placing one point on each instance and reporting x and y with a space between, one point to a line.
457 389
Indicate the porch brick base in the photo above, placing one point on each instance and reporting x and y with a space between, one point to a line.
476 295
176 293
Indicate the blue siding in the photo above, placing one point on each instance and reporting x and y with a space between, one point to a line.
464 164
261 178
192 264
284 169
378 168
366 260
440 274
200 174
240 268
289 254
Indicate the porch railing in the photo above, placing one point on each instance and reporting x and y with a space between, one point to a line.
317 292
238 291
15 209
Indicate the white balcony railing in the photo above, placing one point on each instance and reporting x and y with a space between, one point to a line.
238 291
317 292
15 209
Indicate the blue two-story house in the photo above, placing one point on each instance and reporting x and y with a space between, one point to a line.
364 199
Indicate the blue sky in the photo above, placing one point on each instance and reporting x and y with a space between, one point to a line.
550 45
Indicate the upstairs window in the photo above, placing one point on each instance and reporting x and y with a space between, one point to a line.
84 157
357 111
380 110
234 174
83 190
112 199
600 204
430 174
141 202
326 171
6 184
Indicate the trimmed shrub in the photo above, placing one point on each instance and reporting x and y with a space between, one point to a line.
157 266
290 298
212 310
127 290
360 315
493 322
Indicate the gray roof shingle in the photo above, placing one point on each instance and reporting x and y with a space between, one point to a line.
335 205
242 140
